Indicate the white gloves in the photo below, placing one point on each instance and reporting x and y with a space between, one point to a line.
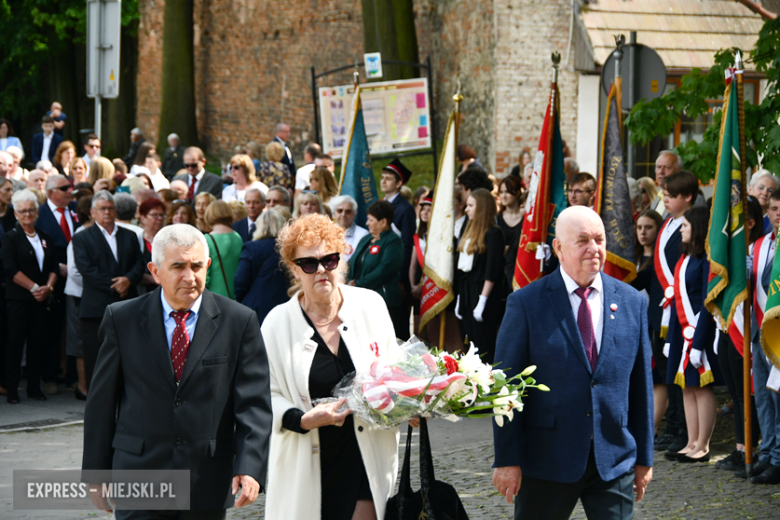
666 349
696 358
480 308
457 308
543 252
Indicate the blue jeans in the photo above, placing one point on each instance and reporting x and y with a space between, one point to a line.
768 407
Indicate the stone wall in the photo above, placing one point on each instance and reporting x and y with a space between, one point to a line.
528 32
252 64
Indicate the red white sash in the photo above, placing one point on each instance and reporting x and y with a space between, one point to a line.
419 250
665 275
759 264
688 321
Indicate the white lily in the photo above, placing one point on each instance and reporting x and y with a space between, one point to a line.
501 412
470 362
528 371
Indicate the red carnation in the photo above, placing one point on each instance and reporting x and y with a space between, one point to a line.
451 364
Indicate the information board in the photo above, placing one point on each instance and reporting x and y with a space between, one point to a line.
396 115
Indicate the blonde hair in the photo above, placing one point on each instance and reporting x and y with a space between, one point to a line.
134 183
484 219
283 211
73 163
269 224
303 197
274 151
100 168
219 212
307 231
245 162
211 197
239 209
327 183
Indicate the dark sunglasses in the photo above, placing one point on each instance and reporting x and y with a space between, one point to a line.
310 265
193 165
63 188
306 191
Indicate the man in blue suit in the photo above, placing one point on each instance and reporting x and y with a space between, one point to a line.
45 144
591 436
254 200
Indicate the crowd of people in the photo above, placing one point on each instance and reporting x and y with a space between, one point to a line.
82 232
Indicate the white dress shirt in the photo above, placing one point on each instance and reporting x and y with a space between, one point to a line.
230 193
46 146
170 323
595 300
74 283
673 225
352 237
58 215
303 176
110 238
35 242
159 181
198 177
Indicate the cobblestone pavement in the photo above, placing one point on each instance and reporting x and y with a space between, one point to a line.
462 457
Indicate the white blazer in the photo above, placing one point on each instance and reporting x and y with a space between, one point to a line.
294 489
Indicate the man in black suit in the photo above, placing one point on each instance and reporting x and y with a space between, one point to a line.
111 265
136 139
210 408
57 218
173 157
282 136
394 176
45 144
197 178
254 200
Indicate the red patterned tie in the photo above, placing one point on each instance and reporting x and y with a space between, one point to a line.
180 343
191 195
585 324
64 224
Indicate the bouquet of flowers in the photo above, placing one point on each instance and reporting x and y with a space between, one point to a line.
413 380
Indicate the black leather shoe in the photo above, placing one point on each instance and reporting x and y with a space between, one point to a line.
678 444
81 396
686 459
37 396
12 397
734 462
758 468
663 442
771 475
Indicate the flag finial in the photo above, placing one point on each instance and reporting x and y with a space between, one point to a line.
457 98
556 61
738 61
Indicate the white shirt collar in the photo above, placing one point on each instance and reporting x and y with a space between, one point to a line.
113 234
392 199
48 137
54 209
168 309
572 286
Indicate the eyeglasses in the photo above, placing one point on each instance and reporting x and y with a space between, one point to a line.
63 188
193 165
155 215
34 211
580 192
310 265
236 167
313 192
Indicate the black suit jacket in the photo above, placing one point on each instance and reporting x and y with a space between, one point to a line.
672 254
50 224
173 161
210 183
18 255
130 157
37 147
405 220
97 267
289 161
242 228
216 422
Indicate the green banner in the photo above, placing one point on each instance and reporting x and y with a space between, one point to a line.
725 246
770 329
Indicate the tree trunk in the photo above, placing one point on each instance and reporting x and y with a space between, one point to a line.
63 88
388 27
177 111
119 113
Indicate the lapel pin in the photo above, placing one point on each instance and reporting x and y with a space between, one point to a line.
613 307
612 316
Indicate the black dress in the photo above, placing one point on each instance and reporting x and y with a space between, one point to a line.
8 221
512 239
486 266
343 479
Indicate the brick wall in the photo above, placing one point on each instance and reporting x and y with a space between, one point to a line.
528 32
252 64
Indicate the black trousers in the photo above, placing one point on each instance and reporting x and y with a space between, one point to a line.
547 500
50 356
89 335
675 412
730 363
400 318
27 321
218 514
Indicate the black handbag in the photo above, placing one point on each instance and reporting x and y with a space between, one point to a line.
435 500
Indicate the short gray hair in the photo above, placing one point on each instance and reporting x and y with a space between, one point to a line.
269 223
280 127
335 202
43 165
182 235
125 206
760 174
15 151
250 190
671 152
173 136
283 191
24 195
102 195
137 131
51 182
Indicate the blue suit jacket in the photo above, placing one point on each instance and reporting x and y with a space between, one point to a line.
242 228
550 439
50 224
261 283
37 147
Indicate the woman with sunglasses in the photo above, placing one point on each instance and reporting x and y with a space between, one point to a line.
344 470
243 173
376 262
